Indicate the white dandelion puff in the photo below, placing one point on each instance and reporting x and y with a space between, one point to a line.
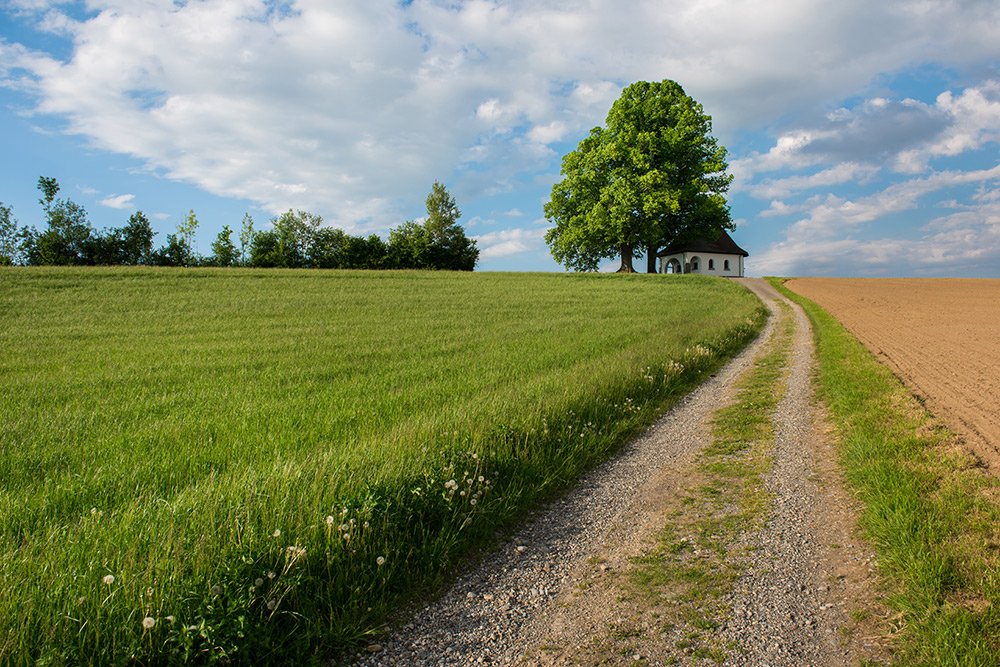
330 520
258 582
148 623
276 533
216 590
380 561
108 579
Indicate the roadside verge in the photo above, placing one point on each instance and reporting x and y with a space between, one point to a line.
929 509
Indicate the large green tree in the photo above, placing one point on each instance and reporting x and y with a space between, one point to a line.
654 174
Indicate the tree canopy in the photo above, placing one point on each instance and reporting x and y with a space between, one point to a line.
654 174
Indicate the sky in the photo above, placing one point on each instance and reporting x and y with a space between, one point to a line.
863 136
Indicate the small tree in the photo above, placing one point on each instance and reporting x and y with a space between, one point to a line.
448 246
439 243
246 238
137 238
66 239
10 245
223 249
187 232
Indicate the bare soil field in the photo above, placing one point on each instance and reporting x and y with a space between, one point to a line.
940 336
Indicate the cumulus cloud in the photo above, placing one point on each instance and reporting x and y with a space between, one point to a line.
508 242
961 244
118 201
346 108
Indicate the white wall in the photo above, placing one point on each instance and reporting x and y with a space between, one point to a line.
718 261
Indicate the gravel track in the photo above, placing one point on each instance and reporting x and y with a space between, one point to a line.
788 610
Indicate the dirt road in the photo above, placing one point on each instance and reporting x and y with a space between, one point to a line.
940 336
563 591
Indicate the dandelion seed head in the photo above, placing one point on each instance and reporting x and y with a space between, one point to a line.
271 575
168 619
380 561
216 590
108 579
473 501
330 520
93 510
149 592
271 604
148 623
258 582
276 533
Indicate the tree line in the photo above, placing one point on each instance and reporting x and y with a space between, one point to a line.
296 239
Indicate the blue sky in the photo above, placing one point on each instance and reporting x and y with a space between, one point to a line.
863 136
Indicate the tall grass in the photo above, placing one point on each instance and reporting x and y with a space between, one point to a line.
930 509
209 465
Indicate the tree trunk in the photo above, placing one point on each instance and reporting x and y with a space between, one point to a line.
626 251
651 258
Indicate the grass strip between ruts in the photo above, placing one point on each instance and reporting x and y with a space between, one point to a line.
699 557
929 507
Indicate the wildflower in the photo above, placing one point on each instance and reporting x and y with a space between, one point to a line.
271 604
330 520
451 485
216 590
380 561
258 582
276 533
271 575
108 579
472 502
365 524
344 528
148 623
481 479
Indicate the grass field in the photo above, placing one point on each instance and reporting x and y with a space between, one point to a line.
929 509
204 465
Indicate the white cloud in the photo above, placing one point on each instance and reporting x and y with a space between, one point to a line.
350 108
508 242
966 243
845 172
118 201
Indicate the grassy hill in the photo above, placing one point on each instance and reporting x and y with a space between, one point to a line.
235 464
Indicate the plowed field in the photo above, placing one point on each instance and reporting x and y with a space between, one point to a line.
941 336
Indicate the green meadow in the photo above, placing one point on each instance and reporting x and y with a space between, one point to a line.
207 465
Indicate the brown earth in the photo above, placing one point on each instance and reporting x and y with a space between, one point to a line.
940 336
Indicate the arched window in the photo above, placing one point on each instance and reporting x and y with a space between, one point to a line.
725 265
694 263
711 265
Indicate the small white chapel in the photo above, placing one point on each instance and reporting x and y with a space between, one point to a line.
721 257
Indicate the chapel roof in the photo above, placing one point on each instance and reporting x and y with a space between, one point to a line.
724 245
